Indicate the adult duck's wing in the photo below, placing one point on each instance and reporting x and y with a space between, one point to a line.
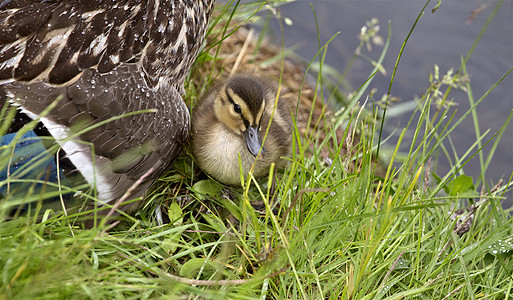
111 149
105 59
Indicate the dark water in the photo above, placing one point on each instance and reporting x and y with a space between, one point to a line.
440 38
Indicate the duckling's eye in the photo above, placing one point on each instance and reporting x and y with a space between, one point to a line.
236 108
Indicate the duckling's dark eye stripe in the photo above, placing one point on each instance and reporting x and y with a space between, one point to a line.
236 107
246 122
230 97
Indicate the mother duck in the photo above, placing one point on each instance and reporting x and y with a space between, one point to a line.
102 62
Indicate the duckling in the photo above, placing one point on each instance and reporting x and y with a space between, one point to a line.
101 63
231 122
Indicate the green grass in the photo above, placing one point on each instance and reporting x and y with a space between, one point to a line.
342 229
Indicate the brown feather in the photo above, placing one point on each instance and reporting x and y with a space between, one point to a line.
106 58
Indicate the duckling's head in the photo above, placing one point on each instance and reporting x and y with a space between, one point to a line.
240 105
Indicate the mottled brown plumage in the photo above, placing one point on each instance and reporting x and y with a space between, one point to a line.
105 59
222 120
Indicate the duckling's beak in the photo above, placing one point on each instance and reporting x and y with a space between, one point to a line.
253 140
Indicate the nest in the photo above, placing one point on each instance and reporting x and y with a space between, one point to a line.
240 51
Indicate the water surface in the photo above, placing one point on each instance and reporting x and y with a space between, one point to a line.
440 38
